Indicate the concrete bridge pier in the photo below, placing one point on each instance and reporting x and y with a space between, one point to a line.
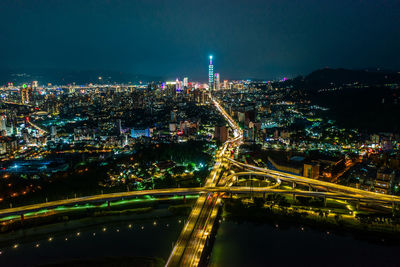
108 204
324 201
294 197
184 198
293 185
22 217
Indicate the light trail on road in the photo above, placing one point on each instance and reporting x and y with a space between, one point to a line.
190 244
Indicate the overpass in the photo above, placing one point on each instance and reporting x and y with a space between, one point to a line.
188 249
194 191
99 198
332 187
190 244
17 103
40 130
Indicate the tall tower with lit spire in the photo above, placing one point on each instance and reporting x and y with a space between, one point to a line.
211 74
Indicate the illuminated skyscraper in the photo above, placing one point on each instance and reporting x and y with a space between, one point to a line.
178 85
211 74
25 94
3 123
217 83
185 82
226 86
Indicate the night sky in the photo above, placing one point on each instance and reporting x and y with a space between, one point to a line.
173 38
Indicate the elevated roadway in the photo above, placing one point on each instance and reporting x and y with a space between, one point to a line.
206 193
330 187
190 244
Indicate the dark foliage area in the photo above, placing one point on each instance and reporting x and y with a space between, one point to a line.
114 261
328 77
192 151
85 179
362 99
371 109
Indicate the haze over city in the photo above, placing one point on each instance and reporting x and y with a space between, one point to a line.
257 39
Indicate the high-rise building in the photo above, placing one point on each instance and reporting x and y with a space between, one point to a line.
171 88
25 94
211 74
226 85
178 85
3 123
217 83
35 84
185 82
173 115
221 133
53 132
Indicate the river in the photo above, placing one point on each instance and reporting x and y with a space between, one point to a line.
256 244
236 244
108 238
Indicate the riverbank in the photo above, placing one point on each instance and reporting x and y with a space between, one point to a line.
149 235
278 216
112 261
249 243
73 218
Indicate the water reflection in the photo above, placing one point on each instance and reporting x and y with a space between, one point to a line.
256 244
150 238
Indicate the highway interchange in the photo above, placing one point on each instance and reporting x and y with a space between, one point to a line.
190 245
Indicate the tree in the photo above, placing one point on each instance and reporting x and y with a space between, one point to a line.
259 202
190 167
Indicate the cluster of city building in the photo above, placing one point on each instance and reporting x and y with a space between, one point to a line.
298 137
290 132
